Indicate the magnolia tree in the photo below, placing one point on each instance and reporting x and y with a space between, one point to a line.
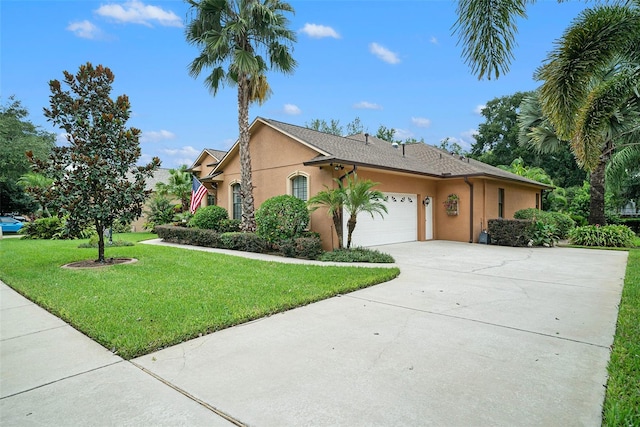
96 180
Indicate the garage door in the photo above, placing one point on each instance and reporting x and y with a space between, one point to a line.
400 224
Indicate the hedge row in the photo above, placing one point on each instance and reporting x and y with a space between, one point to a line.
510 232
308 247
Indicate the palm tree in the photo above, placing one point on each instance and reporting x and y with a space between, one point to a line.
232 36
179 186
359 197
591 88
333 200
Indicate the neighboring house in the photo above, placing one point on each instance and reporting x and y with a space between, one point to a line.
416 179
160 175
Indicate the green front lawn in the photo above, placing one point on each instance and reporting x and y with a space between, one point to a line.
170 294
622 402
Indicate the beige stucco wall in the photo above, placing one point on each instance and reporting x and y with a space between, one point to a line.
274 159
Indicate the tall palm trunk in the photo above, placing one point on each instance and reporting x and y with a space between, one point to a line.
596 206
337 223
246 184
351 225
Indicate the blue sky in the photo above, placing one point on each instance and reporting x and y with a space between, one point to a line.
391 63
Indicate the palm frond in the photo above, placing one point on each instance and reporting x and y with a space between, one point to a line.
486 29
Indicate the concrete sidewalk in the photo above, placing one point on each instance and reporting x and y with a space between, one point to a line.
466 335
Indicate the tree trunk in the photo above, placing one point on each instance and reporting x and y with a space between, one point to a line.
596 206
100 231
337 223
246 185
351 225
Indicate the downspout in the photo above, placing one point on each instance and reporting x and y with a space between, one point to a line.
348 173
471 209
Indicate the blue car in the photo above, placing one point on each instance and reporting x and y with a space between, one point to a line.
10 225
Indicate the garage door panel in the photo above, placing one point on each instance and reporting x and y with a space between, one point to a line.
398 225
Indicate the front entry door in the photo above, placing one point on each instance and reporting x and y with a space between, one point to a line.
428 214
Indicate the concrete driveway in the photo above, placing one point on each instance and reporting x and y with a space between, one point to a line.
466 335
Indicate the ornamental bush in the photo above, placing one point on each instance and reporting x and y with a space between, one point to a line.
281 218
54 228
356 255
610 236
248 242
189 236
309 247
563 223
209 217
511 232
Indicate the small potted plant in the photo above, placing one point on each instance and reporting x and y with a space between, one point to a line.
451 204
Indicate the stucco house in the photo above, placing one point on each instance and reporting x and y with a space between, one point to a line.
416 179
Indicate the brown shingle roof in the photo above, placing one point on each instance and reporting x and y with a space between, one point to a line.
419 158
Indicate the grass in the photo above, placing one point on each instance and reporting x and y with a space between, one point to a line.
170 294
622 400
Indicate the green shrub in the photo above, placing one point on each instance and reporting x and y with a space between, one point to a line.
281 218
510 232
543 234
182 218
54 228
209 217
229 226
357 255
93 243
562 222
301 247
189 236
119 226
160 212
609 236
248 242
579 219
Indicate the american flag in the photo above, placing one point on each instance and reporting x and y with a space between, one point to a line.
198 191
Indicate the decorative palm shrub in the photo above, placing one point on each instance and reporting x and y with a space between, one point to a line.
281 218
619 236
209 217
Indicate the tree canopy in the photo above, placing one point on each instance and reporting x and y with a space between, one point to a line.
498 142
17 136
96 180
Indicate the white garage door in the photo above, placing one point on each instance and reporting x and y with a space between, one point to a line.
400 224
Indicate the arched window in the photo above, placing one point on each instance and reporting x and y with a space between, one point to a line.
299 185
237 201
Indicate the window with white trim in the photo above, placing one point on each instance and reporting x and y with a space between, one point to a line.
299 187
236 201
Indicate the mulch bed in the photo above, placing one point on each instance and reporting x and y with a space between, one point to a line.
90 263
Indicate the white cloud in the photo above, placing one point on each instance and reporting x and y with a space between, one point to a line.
402 134
433 40
155 136
136 12
469 134
319 31
364 105
421 122
383 53
479 108
186 151
85 29
292 109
